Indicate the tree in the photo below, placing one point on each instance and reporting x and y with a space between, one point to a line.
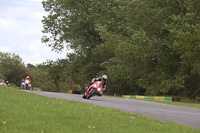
50 75
30 66
12 68
146 47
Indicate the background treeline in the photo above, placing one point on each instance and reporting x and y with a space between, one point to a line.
48 76
13 69
149 47
146 47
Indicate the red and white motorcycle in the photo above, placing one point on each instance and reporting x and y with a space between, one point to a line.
27 85
95 89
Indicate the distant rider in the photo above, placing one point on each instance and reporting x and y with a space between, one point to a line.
7 83
27 78
22 84
27 83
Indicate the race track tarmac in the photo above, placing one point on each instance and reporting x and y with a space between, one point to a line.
163 112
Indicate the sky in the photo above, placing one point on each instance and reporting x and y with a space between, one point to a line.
21 31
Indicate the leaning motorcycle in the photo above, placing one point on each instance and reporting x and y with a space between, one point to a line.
93 90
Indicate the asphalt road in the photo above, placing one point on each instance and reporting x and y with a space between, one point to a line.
168 113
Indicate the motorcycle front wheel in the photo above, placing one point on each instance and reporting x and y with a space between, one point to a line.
91 93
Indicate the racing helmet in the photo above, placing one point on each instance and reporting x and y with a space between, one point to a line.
104 77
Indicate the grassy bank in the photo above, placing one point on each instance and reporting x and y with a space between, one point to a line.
22 112
185 104
193 105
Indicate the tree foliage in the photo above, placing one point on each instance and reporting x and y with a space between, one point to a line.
12 68
49 76
144 46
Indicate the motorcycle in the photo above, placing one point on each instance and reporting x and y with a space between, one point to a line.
95 89
22 85
27 85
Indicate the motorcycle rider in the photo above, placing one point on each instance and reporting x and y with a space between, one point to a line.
27 78
22 84
103 79
7 83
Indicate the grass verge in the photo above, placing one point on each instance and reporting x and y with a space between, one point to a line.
193 105
22 112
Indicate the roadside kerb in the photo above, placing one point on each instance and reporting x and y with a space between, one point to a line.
160 98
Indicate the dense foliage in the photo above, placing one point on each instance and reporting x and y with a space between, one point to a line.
49 76
144 46
11 68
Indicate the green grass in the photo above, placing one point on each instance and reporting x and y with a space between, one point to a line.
22 112
193 105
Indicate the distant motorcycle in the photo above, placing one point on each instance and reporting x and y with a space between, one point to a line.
22 85
95 89
27 85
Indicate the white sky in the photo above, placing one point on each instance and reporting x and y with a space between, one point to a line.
20 31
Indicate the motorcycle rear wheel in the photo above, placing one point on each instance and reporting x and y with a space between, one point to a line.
84 96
